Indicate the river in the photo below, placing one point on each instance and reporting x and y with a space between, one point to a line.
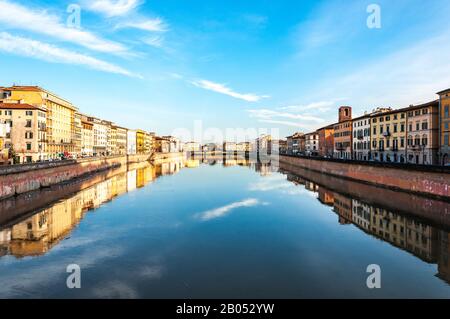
222 229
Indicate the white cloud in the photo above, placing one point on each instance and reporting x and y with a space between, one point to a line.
151 25
412 75
155 41
266 114
222 211
322 106
43 51
112 8
223 89
39 21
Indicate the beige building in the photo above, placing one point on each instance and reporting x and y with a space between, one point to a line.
121 133
444 127
27 139
423 134
87 137
100 130
388 135
60 116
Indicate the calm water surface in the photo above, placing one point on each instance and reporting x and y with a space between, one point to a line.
218 230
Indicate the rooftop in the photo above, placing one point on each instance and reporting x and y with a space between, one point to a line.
20 106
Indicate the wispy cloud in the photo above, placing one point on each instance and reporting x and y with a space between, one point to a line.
39 21
266 114
113 8
155 41
223 89
222 211
43 51
151 25
322 106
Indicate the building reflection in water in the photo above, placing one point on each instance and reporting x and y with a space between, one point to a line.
37 234
419 238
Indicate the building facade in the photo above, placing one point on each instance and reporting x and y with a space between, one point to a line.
444 126
87 137
312 144
120 140
60 117
296 144
131 142
361 138
326 141
27 139
388 135
100 136
423 134
343 134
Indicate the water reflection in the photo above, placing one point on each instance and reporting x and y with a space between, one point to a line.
411 234
33 224
36 234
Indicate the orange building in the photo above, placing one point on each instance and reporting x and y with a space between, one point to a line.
326 141
343 134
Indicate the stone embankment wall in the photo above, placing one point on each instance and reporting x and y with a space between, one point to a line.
19 179
429 181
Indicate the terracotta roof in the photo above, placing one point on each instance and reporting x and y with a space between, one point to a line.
20 106
445 91
24 88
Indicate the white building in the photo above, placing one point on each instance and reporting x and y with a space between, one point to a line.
100 129
361 138
312 144
131 142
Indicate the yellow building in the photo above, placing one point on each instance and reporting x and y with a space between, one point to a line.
444 125
388 135
140 142
26 140
61 121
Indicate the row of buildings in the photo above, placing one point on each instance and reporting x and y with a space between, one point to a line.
38 125
418 134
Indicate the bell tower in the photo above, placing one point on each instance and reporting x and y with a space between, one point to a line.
345 113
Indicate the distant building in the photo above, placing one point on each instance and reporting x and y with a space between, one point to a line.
423 134
229 147
120 145
264 145
296 144
361 138
100 128
131 142
444 126
60 117
388 135
5 130
87 137
243 147
326 141
27 136
343 134
191 147
312 144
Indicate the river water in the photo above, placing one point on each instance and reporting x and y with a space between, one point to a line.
222 229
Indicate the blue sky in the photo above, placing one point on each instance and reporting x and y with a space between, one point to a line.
162 64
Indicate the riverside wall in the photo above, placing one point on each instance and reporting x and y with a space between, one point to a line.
424 180
20 179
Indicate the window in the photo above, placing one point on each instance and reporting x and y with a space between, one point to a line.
425 140
446 139
28 146
395 128
29 113
425 111
417 126
28 123
425 126
29 135
402 128
402 142
402 115
446 112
